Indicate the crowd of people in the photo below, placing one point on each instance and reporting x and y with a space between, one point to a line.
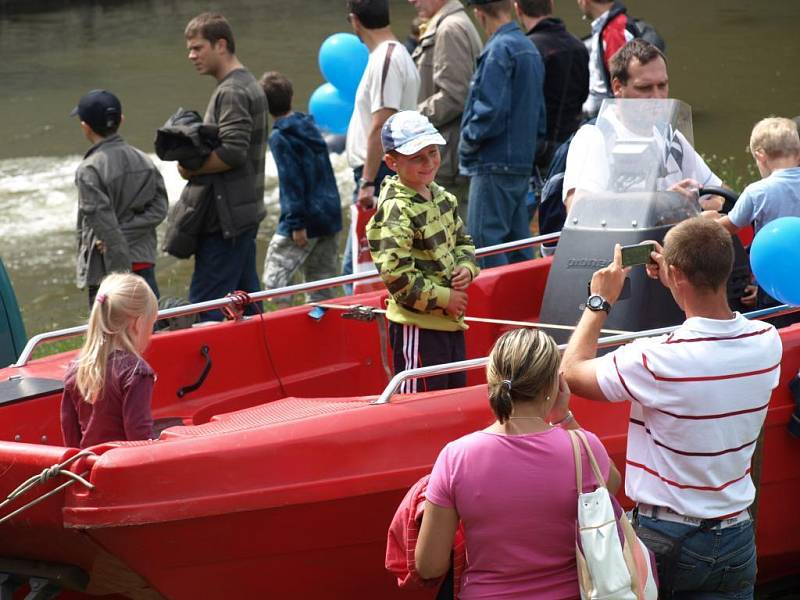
443 142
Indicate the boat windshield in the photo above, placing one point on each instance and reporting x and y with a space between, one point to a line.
637 145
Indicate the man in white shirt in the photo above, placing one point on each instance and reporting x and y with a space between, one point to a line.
390 83
638 71
699 397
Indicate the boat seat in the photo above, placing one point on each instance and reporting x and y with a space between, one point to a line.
271 413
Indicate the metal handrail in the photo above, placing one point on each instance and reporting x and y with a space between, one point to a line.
312 286
611 340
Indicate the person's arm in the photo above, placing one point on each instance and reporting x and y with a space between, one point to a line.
95 204
291 182
137 418
70 426
372 163
154 211
726 222
435 541
235 127
465 249
390 238
489 107
453 65
579 363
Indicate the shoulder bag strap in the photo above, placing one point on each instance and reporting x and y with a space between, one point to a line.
387 61
576 452
601 482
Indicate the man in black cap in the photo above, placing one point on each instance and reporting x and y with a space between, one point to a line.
121 199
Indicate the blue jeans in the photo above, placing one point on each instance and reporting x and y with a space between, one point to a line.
222 266
347 258
716 563
497 213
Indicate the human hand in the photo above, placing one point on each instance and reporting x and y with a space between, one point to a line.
688 188
750 295
300 238
184 172
100 246
560 407
365 197
658 268
712 204
711 214
457 305
461 278
608 281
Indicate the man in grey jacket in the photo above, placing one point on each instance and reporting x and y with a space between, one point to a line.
445 59
225 257
121 199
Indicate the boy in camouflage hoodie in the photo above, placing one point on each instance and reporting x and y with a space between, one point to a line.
424 256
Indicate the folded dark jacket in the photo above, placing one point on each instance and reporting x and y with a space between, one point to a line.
185 138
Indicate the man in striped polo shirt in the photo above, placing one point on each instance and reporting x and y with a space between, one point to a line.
699 398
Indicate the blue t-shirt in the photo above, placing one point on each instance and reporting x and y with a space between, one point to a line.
771 198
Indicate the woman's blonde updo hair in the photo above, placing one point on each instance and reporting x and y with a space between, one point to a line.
122 298
522 365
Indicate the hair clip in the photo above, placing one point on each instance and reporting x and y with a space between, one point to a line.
100 298
507 383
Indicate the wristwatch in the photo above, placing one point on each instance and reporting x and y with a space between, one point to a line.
596 303
365 183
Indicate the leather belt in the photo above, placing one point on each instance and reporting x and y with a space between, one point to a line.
665 513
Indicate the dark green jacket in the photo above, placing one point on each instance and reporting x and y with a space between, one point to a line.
238 107
416 244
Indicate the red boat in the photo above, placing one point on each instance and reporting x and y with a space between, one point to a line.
278 475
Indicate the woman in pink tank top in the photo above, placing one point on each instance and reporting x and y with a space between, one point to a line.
513 483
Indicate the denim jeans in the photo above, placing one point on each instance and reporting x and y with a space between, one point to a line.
347 258
716 563
497 213
222 266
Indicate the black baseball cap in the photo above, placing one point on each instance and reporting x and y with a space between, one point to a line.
99 109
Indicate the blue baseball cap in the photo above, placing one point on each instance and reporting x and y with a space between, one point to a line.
408 132
99 109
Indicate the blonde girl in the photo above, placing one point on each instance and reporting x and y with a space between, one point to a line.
512 485
108 389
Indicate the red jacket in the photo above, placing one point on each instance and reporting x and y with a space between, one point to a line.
402 543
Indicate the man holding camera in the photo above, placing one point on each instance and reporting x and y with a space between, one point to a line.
699 397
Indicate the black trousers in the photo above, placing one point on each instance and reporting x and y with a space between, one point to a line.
414 347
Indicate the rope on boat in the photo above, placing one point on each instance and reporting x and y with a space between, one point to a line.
42 478
367 313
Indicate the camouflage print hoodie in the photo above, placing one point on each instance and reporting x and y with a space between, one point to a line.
416 245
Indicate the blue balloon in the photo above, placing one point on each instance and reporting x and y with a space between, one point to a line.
774 256
330 108
342 60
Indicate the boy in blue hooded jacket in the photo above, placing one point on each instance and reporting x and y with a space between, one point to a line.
311 213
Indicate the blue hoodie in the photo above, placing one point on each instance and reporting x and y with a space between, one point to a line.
308 193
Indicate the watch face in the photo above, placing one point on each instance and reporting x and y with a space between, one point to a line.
594 302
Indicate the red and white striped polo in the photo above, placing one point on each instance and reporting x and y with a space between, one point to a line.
699 397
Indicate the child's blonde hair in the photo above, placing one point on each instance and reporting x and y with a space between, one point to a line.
776 137
522 365
122 298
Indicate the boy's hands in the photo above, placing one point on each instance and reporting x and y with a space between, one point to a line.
300 237
458 302
461 278
750 295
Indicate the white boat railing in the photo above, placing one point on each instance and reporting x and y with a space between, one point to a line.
311 286
611 340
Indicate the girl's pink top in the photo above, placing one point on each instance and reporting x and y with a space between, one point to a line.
517 498
122 412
